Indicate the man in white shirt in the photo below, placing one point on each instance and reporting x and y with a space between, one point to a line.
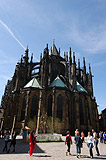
90 144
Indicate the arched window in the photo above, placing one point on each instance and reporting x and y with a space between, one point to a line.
68 108
23 108
34 107
49 109
60 107
81 112
74 114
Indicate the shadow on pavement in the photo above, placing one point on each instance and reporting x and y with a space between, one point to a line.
86 156
99 157
41 156
19 148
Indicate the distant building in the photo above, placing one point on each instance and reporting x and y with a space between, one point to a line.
62 88
102 120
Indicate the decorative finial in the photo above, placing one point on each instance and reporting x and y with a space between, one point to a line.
59 51
27 49
74 57
53 41
78 63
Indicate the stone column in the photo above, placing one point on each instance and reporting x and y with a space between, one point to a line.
77 112
53 107
39 108
27 104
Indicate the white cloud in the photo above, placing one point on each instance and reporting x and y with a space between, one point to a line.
11 33
92 41
99 64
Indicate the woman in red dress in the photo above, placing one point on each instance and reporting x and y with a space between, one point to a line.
32 142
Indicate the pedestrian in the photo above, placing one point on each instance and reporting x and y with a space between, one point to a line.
101 136
76 131
78 143
104 137
32 142
82 136
90 144
6 138
13 141
95 137
3 134
0 133
68 140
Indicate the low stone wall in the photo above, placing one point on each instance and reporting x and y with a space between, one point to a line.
49 137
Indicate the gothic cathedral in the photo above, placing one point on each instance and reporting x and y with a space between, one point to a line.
57 86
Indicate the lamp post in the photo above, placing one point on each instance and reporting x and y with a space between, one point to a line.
13 125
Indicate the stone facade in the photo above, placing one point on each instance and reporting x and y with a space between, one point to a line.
55 85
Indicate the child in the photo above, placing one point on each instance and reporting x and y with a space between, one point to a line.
68 140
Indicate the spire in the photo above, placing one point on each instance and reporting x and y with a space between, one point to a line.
90 83
84 61
70 58
54 51
31 58
54 41
25 57
40 56
46 51
84 66
27 50
89 69
74 57
21 58
66 56
47 46
59 51
79 71
78 63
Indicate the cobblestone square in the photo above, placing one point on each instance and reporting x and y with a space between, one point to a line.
50 150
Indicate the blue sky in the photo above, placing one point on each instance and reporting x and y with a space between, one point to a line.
78 24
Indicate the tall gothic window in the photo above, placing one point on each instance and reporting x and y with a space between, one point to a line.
60 107
34 107
49 109
74 113
81 112
68 108
23 108
88 110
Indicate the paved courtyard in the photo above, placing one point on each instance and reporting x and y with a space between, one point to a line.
46 151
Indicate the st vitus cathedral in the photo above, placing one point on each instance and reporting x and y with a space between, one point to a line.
57 86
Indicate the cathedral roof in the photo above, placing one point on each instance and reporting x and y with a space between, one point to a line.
53 50
34 83
80 88
57 83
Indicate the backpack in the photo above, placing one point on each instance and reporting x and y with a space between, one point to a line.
80 142
68 139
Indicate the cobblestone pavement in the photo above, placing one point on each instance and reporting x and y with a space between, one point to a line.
46 151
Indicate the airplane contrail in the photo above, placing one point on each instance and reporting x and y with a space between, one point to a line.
11 33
